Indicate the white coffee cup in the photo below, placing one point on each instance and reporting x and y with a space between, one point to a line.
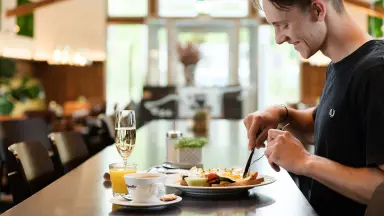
145 187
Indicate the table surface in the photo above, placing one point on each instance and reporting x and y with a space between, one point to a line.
83 191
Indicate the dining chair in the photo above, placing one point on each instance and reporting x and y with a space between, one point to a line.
33 129
71 148
29 170
22 130
108 124
97 135
375 205
47 116
232 105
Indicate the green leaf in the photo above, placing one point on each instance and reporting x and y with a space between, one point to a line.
375 23
24 82
6 107
7 68
26 22
33 92
190 142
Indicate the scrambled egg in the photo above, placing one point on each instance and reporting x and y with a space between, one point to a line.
231 173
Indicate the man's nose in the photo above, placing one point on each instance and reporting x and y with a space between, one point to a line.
280 38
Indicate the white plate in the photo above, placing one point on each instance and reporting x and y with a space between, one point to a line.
123 202
215 191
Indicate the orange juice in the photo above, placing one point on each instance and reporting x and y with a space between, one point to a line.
117 172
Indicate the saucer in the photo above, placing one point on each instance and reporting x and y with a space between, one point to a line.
131 204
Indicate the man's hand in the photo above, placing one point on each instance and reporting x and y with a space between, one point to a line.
264 120
284 150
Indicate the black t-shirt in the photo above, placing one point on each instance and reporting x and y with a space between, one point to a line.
349 122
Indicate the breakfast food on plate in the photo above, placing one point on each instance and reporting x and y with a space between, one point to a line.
218 178
196 181
168 197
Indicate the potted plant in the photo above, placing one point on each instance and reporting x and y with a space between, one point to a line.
18 93
189 150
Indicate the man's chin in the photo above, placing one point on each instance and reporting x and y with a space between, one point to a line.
306 55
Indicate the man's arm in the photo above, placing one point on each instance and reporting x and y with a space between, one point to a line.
301 120
358 184
285 150
301 124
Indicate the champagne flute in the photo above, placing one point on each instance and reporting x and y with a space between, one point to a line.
125 133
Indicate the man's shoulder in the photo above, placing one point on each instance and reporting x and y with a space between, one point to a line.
370 63
372 58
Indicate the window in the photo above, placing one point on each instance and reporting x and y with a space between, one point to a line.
244 54
177 8
163 57
229 8
213 67
127 8
279 70
158 54
214 8
138 54
126 63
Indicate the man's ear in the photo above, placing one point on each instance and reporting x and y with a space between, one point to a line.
319 9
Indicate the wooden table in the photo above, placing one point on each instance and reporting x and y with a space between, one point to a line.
81 192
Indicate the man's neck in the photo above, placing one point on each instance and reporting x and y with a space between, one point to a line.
344 37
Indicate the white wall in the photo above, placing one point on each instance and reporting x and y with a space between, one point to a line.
7 24
79 24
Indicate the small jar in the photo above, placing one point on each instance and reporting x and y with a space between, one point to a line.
173 137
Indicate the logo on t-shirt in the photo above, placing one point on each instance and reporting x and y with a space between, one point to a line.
332 113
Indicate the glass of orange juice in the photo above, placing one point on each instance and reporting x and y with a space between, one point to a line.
117 172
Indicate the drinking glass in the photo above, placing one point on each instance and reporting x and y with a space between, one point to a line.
125 133
117 172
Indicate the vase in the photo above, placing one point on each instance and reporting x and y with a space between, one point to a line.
189 73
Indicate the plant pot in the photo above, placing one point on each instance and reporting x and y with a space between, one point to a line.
188 155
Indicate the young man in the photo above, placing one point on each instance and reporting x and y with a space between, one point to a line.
348 124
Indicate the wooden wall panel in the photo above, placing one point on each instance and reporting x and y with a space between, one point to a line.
64 83
312 83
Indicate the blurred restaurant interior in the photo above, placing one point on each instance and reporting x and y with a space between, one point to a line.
67 66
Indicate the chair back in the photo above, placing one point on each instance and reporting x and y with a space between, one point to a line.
71 148
30 170
108 124
15 131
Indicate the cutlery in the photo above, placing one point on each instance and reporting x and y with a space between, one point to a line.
250 157
127 197
248 165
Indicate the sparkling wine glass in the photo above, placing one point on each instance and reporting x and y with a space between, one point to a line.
125 133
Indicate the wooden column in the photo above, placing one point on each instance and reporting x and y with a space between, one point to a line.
153 8
312 81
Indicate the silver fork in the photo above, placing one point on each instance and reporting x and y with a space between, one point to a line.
282 129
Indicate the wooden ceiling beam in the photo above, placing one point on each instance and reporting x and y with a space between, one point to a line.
126 20
367 8
26 9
